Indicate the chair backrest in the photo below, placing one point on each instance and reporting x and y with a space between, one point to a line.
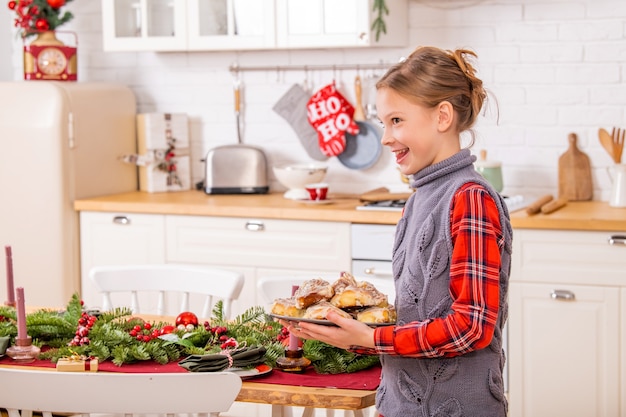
120 393
163 279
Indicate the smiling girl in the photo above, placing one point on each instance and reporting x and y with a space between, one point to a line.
451 256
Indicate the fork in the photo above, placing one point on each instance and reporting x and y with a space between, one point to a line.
618 144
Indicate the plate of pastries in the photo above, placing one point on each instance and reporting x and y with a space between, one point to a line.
359 300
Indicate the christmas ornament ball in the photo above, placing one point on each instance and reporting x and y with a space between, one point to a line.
185 318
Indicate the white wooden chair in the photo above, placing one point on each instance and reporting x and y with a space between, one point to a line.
165 280
25 391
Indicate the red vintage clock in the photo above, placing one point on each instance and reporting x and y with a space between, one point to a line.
47 58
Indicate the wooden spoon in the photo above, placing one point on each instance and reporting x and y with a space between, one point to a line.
359 112
618 144
607 142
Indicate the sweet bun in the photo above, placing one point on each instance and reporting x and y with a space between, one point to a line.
377 315
363 294
286 307
313 291
319 311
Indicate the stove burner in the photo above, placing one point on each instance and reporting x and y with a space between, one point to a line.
391 205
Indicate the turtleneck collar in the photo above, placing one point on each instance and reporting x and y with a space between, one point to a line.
456 162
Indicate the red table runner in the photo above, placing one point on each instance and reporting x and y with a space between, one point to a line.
367 379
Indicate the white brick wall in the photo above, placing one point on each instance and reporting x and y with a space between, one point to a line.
555 67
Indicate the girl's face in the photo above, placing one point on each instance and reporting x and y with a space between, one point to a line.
417 135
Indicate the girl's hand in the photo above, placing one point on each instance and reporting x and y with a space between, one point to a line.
348 333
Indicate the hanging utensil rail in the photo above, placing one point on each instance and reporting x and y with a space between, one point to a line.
235 68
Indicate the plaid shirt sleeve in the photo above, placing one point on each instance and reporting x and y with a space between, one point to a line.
474 287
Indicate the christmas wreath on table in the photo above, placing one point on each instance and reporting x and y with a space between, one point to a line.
118 336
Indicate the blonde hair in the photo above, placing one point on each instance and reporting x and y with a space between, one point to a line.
431 75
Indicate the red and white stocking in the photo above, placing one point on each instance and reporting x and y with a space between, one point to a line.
331 115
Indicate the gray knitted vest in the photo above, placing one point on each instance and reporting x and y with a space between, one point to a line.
470 385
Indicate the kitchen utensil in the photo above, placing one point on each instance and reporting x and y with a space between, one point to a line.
618 144
383 194
359 112
236 169
553 206
296 176
490 170
292 107
618 189
607 142
575 173
363 149
535 206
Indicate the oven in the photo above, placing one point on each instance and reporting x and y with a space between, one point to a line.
371 246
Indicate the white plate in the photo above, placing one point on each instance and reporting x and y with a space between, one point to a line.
249 373
322 322
315 202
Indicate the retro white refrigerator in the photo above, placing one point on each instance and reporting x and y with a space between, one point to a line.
58 142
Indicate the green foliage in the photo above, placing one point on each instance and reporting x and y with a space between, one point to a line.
33 16
328 359
110 338
378 25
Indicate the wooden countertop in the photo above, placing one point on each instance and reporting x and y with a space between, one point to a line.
587 215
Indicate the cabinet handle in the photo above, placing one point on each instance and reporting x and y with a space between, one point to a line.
123 220
372 271
617 240
565 295
255 226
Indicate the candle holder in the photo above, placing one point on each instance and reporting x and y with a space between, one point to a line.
293 361
23 351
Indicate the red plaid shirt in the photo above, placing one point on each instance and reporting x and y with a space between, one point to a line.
474 287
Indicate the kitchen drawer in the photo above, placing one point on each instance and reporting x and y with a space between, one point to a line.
304 245
587 258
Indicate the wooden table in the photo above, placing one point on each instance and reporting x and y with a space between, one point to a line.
282 397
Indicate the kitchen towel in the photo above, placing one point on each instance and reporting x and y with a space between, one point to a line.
292 108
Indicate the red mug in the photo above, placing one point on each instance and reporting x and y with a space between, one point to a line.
317 191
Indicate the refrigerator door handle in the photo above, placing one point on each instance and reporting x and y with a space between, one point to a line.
70 130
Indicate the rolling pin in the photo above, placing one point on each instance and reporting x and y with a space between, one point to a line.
535 207
553 205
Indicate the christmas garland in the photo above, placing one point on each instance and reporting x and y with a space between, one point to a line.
118 336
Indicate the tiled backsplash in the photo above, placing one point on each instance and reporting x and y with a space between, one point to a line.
553 66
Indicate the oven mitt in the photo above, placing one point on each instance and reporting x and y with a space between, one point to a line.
332 116
241 358
292 108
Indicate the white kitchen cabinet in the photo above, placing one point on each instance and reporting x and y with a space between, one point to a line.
259 247
230 25
144 25
118 239
211 25
337 23
566 323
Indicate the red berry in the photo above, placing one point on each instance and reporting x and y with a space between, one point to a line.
55 4
147 326
146 338
137 328
12 5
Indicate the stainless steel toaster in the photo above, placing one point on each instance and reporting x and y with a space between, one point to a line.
236 169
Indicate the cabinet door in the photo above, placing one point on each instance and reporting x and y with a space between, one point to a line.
563 350
118 239
337 23
230 24
144 25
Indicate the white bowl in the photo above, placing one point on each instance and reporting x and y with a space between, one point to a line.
296 176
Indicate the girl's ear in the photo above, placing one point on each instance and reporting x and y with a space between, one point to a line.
445 116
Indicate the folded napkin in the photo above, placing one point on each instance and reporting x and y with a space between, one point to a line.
239 358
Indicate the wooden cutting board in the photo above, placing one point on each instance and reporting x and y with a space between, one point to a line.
383 194
575 173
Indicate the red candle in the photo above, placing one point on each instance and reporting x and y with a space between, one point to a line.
10 288
21 314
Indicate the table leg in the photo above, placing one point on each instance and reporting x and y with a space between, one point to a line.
281 411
